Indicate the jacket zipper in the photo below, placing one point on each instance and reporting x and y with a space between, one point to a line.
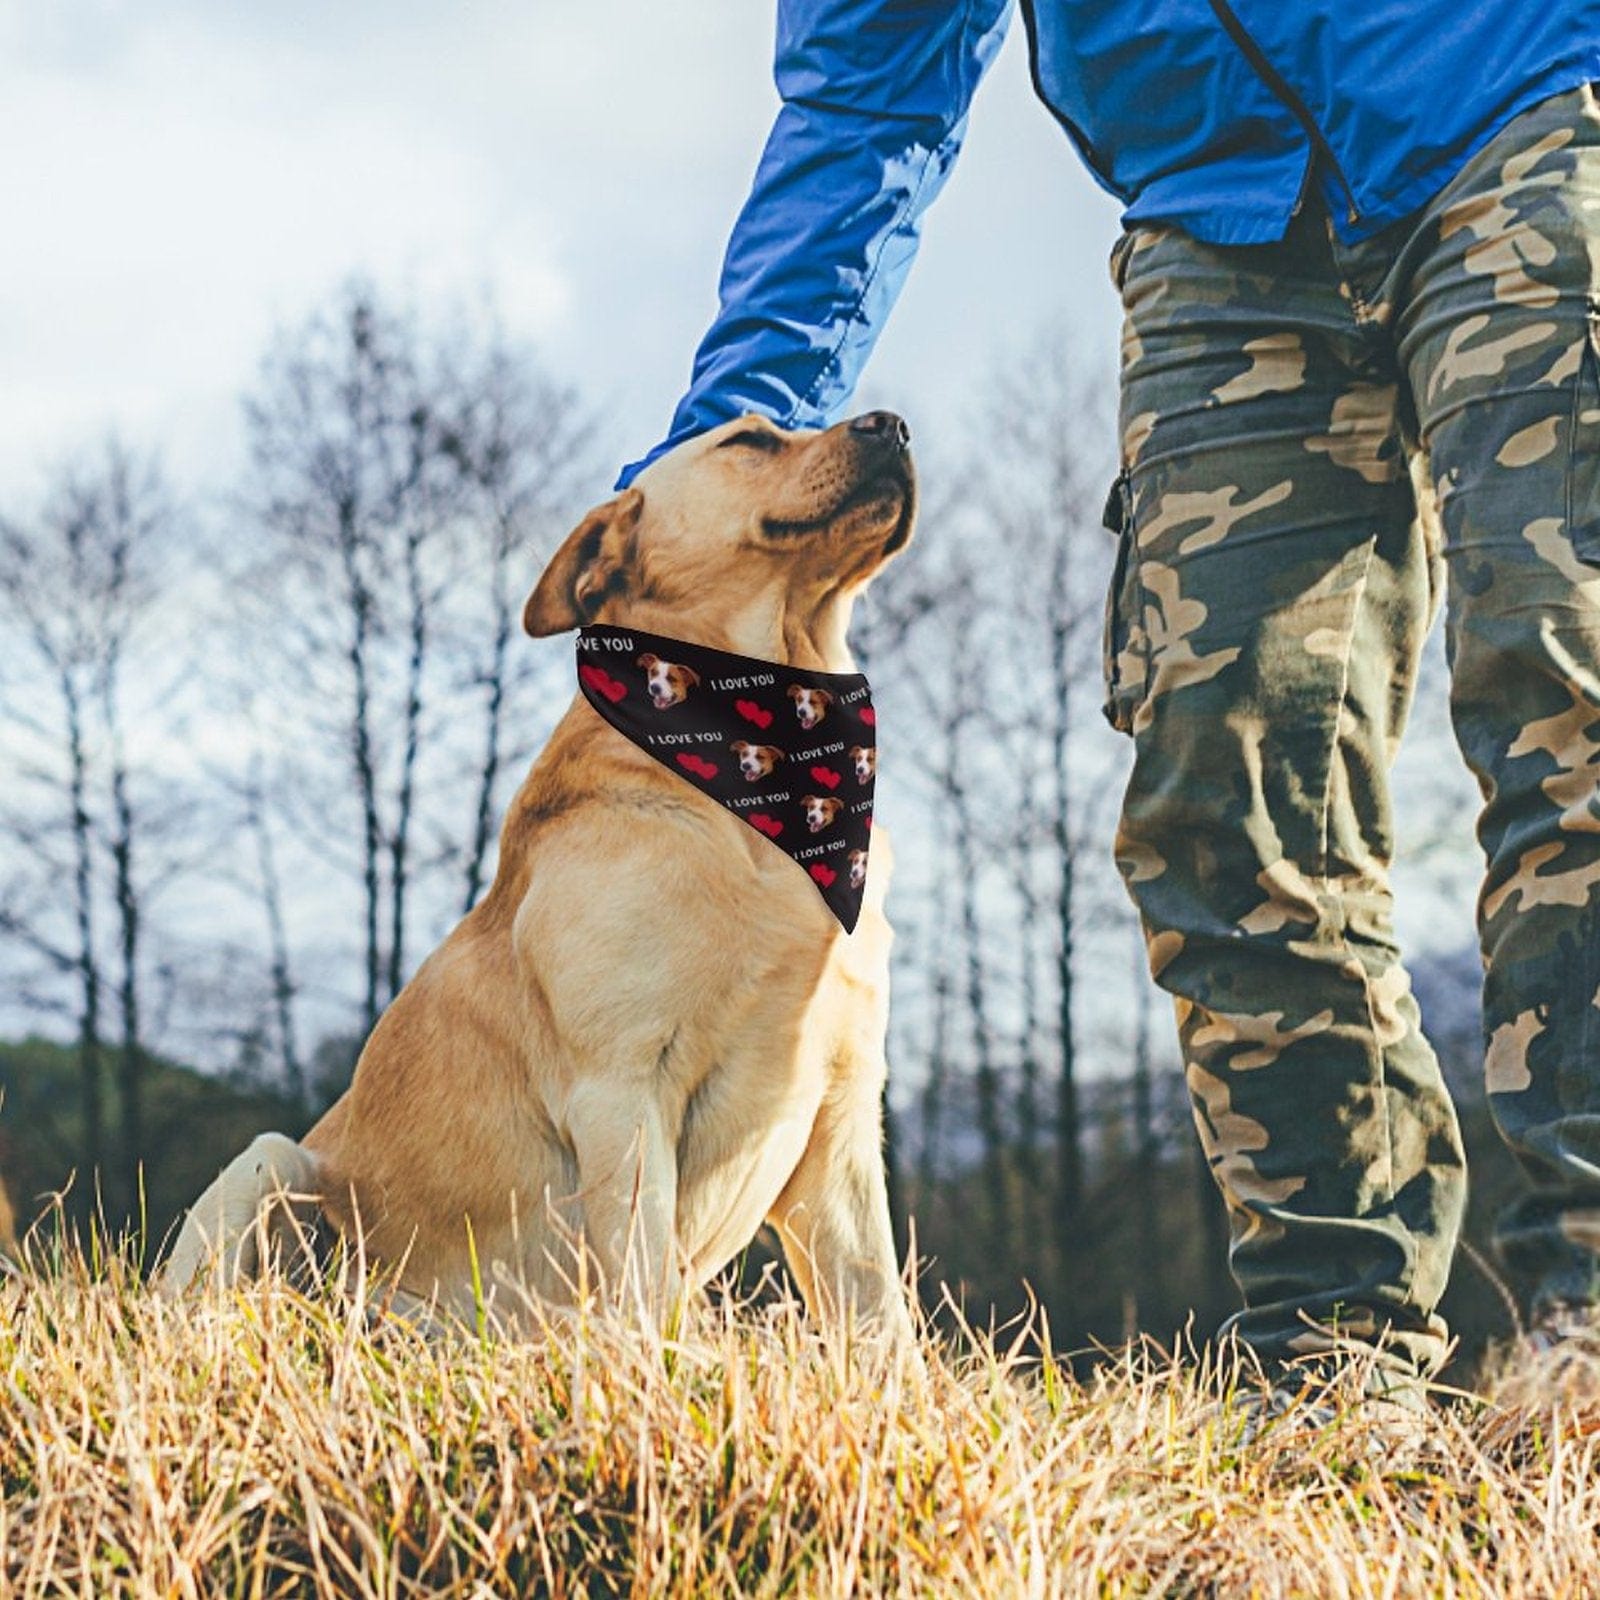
1281 87
1090 156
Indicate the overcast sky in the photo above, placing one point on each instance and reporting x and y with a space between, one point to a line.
180 178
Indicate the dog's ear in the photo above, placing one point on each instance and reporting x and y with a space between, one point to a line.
825 696
692 676
795 691
588 567
647 662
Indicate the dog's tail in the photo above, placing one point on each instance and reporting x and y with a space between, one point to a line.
264 1202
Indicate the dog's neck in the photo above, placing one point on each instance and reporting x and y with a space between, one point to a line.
818 641
813 640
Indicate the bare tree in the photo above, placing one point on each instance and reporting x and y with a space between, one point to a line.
1069 1130
523 445
1002 664
134 514
1030 926
78 584
948 692
405 477
936 1067
280 955
1146 1149
346 488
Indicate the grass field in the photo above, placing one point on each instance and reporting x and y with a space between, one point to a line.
265 1442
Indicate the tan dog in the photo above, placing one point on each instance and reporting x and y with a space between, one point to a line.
865 759
669 684
756 760
652 1034
810 705
8 1224
822 811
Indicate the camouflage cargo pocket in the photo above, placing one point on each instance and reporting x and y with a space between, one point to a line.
1583 451
1124 666
1117 262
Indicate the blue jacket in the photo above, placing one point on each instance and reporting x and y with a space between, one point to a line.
1214 115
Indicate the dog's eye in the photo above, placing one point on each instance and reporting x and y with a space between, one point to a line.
754 438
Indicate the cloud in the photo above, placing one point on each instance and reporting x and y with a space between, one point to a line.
195 175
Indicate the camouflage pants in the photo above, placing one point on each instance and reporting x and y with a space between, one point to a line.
1274 589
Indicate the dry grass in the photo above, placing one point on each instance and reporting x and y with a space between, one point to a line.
268 1442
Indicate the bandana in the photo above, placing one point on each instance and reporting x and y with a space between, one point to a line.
793 753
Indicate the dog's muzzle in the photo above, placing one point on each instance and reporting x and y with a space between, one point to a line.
884 428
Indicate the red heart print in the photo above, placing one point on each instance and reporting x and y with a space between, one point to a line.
767 825
823 873
602 682
825 776
869 716
751 712
698 765
868 819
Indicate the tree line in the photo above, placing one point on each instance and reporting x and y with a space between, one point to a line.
236 730
258 740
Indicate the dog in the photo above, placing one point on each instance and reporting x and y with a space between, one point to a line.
756 760
651 1035
822 811
810 705
865 759
669 684
858 868
8 1226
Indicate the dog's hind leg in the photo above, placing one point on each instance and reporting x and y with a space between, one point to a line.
230 1223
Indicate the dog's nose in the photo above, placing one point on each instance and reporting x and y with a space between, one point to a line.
883 425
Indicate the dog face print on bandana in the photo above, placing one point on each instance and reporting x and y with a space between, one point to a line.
791 752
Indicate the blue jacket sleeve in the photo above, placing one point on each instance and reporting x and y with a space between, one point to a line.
875 98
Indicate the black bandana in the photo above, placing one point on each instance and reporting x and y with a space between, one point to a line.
792 753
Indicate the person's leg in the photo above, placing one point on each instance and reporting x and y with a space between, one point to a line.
1263 648
1500 333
